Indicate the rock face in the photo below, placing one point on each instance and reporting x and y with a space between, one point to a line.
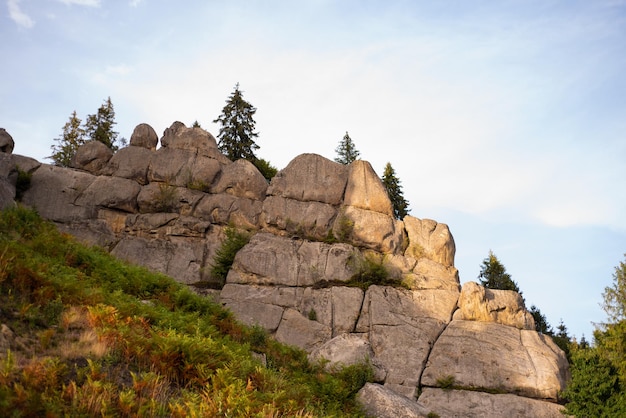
320 231
6 142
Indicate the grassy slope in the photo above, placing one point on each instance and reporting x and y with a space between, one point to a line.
87 335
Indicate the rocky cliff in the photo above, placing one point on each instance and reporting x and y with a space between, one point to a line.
317 229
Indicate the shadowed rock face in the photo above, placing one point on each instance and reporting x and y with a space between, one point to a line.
6 142
317 229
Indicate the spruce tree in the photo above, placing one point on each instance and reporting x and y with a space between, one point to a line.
493 275
346 151
99 127
394 190
541 323
73 136
236 136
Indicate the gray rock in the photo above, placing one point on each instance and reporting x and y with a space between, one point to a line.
505 307
428 274
196 140
470 404
381 402
369 229
6 142
241 179
365 190
131 162
92 157
144 136
311 177
296 330
111 192
343 350
429 239
8 177
91 232
490 356
172 166
313 220
225 209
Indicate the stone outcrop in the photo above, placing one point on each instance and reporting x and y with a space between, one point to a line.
6 142
327 269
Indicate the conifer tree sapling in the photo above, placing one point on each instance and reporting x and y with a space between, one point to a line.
99 127
394 190
346 151
73 136
236 136
493 275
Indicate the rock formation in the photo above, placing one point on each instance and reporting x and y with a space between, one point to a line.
320 230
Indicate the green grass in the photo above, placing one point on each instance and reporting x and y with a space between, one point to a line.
92 336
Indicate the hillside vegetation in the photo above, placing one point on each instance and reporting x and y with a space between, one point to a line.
83 334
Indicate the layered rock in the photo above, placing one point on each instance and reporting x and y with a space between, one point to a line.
327 269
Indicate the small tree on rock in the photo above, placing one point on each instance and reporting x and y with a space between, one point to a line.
493 275
394 190
236 136
346 151
99 127
73 136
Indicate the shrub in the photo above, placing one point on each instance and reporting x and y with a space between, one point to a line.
23 183
167 198
344 228
225 255
370 272
446 382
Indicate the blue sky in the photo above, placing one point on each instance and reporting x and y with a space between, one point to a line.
505 120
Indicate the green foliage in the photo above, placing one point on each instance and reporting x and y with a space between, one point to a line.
432 415
22 184
493 275
166 199
346 151
369 271
615 295
312 315
109 339
394 191
73 136
225 255
264 166
446 382
99 126
541 323
344 228
236 136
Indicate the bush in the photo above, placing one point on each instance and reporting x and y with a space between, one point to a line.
167 198
225 255
370 272
23 183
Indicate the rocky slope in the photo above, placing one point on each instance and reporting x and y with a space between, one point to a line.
435 347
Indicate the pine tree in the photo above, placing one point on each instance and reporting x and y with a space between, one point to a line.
394 190
346 151
236 136
73 136
541 323
493 275
99 127
615 295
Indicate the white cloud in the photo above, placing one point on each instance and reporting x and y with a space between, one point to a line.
90 3
134 3
18 16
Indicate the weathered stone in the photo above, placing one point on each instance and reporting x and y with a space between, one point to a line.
26 164
428 274
131 162
226 209
311 177
170 133
203 172
471 404
295 329
163 197
403 325
179 258
365 228
241 179
365 190
268 259
6 142
429 239
54 190
144 136
111 192
171 165
305 219
346 303
381 402
196 140
8 178
92 156
344 350
90 232
490 356
505 307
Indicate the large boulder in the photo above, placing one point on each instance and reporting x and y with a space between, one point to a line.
271 260
403 325
471 404
381 402
311 177
312 220
111 192
493 357
241 179
144 136
297 330
429 239
506 307
92 156
195 140
8 177
428 274
369 229
6 142
131 162
365 190
226 209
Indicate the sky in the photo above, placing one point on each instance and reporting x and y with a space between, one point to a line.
505 120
